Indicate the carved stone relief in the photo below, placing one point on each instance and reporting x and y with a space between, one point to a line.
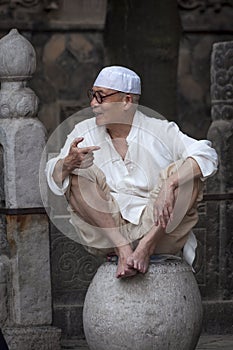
73 268
72 271
2 194
222 83
208 15
203 5
220 213
44 4
17 64
50 14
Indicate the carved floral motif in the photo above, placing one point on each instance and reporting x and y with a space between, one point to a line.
73 268
47 4
222 81
203 5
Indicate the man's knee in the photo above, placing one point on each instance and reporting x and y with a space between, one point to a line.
92 174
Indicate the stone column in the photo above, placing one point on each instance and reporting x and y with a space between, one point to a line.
219 308
25 277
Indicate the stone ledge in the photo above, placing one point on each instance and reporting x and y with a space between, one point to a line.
215 342
36 338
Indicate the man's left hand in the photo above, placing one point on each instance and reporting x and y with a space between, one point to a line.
164 204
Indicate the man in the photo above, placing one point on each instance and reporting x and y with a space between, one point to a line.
132 181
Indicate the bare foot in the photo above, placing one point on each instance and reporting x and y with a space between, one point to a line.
123 269
139 260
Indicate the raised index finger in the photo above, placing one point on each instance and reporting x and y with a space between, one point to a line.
89 149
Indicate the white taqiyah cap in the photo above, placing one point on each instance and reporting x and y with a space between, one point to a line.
120 79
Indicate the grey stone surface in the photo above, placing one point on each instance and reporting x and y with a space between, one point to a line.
17 64
215 342
18 104
206 342
22 161
17 57
31 284
4 280
32 338
161 309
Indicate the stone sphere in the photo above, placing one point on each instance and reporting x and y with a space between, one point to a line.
160 310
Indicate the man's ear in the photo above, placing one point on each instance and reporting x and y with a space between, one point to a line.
127 101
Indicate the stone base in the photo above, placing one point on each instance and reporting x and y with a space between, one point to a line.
36 338
218 317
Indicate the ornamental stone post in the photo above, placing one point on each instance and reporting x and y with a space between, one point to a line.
220 212
25 284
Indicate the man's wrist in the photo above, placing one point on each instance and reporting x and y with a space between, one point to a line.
66 168
172 184
60 172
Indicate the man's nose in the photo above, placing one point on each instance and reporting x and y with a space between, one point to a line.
94 102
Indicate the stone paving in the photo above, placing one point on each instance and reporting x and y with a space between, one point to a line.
215 342
206 342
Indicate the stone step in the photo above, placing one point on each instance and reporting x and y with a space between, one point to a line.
206 342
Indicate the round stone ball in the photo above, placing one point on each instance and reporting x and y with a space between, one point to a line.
160 310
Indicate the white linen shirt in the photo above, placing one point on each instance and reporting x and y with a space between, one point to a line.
153 144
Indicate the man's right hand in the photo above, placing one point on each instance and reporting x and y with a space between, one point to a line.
80 158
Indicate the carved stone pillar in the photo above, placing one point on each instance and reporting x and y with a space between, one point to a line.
203 24
25 284
219 308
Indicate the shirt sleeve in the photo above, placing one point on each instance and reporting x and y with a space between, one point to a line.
183 147
50 180
51 165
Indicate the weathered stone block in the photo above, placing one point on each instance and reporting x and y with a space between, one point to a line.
31 287
4 279
22 161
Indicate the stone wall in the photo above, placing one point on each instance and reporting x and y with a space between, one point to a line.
145 37
68 39
203 23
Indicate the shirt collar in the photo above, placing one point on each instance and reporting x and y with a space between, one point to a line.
133 131
134 128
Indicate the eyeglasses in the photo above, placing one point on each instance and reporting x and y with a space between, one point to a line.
97 95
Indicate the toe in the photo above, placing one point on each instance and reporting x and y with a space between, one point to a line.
130 261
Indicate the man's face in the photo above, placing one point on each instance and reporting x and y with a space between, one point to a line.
109 111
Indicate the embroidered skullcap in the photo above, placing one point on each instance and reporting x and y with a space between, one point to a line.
120 79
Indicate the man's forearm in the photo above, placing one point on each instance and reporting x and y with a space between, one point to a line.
165 202
60 172
188 171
